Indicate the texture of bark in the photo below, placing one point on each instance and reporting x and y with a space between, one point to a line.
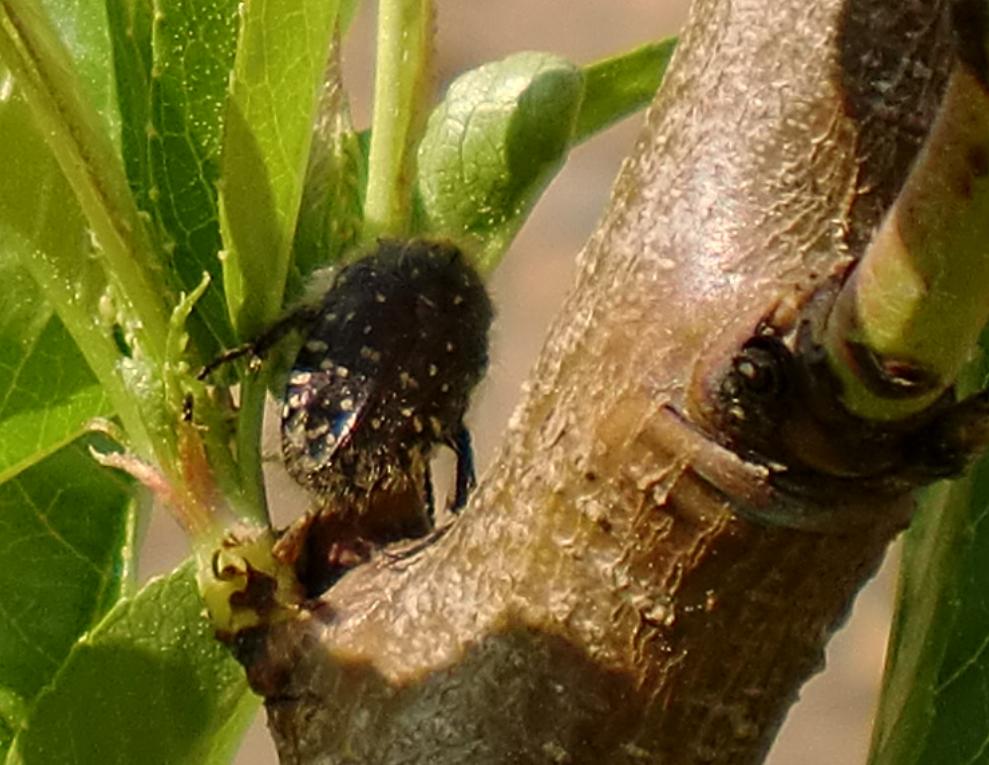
599 601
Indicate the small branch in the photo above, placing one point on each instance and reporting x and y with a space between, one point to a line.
600 600
906 322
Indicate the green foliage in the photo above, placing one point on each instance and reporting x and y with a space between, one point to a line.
196 152
503 131
281 58
172 66
619 86
149 685
48 393
493 144
936 686
88 157
66 528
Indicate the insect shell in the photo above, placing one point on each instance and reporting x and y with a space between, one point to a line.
390 357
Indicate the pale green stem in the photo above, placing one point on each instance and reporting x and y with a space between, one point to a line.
253 389
402 67
917 301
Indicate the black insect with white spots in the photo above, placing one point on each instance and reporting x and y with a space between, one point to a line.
390 357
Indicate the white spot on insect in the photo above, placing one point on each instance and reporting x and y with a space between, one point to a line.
317 346
350 316
295 401
407 411
342 372
417 424
450 347
300 378
436 425
286 411
379 297
445 387
347 404
376 423
367 329
368 352
406 380
327 364
296 438
433 370
458 299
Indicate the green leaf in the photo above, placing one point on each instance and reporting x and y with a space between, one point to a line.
936 685
331 212
616 87
173 68
268 123
150 685
13 712
82 27
44 233
504 129
47 393
74 131
492 145
65 527
129 23
279 68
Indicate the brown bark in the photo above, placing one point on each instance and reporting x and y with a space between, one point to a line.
599 601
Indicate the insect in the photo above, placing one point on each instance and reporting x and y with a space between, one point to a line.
390 356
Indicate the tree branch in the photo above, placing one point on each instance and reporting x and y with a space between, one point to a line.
599 600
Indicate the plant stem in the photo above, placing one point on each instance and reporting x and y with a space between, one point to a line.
916 303
402 68
253 389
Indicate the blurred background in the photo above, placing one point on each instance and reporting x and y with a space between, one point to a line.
831 722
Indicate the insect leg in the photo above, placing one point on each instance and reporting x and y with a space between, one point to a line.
466 479
428 496
258 347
